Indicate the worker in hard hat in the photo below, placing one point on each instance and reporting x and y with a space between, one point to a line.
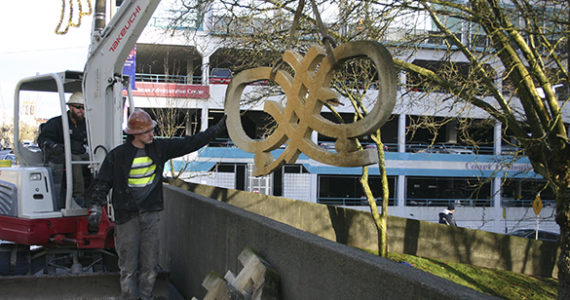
134 171
50 140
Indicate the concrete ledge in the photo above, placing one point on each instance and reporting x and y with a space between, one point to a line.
203 235
356 229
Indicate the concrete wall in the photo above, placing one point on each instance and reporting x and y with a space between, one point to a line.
356 229
202 235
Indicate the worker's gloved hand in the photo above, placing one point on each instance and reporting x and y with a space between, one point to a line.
54 153
94 218
57 148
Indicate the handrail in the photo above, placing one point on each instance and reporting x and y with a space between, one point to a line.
351 201
435 202
181 79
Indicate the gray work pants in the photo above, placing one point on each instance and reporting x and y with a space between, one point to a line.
136 242
58 170
78 179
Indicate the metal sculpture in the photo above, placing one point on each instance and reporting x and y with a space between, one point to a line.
306 93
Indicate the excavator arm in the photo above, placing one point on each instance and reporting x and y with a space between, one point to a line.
103 82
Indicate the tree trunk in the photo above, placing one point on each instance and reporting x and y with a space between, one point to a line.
380 226
563 218
380 219
385 196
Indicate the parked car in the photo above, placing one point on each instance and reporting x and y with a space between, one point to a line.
220 76
34 148
542 235
328 145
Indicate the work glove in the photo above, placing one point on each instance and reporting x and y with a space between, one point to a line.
54 153
94 218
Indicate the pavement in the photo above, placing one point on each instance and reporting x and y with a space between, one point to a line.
96 286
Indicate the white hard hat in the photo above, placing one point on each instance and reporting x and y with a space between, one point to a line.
76 98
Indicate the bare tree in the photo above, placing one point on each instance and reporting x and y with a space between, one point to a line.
523 41
6 134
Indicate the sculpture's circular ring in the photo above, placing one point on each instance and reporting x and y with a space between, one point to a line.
387 87
232 107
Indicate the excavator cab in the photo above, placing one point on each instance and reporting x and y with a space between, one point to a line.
38 215
53 198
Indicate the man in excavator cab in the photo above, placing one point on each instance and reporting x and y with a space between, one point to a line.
51 142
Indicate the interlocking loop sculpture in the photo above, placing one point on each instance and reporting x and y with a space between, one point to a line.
306 93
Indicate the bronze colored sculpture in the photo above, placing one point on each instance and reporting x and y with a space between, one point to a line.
306 93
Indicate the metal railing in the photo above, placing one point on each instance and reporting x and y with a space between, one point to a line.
347 201
449 149
442 202
525 202
180 79
435 202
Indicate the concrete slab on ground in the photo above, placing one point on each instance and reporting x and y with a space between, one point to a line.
93 286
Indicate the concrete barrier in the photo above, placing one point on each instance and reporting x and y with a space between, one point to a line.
355 228
202 235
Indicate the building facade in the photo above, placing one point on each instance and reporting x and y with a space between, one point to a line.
491 185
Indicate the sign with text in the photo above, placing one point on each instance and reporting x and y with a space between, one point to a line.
130 66
171 90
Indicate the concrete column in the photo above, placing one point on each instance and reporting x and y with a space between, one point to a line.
402 132
497 139
451 132
188 126
204 118
497 207
314 188
189 72
496 191
206 70
401 191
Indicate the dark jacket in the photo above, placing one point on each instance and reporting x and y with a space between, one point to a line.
51 133
446 217
114 172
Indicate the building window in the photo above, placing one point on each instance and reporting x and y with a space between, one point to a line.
522 192
295 169
441 191
347 190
